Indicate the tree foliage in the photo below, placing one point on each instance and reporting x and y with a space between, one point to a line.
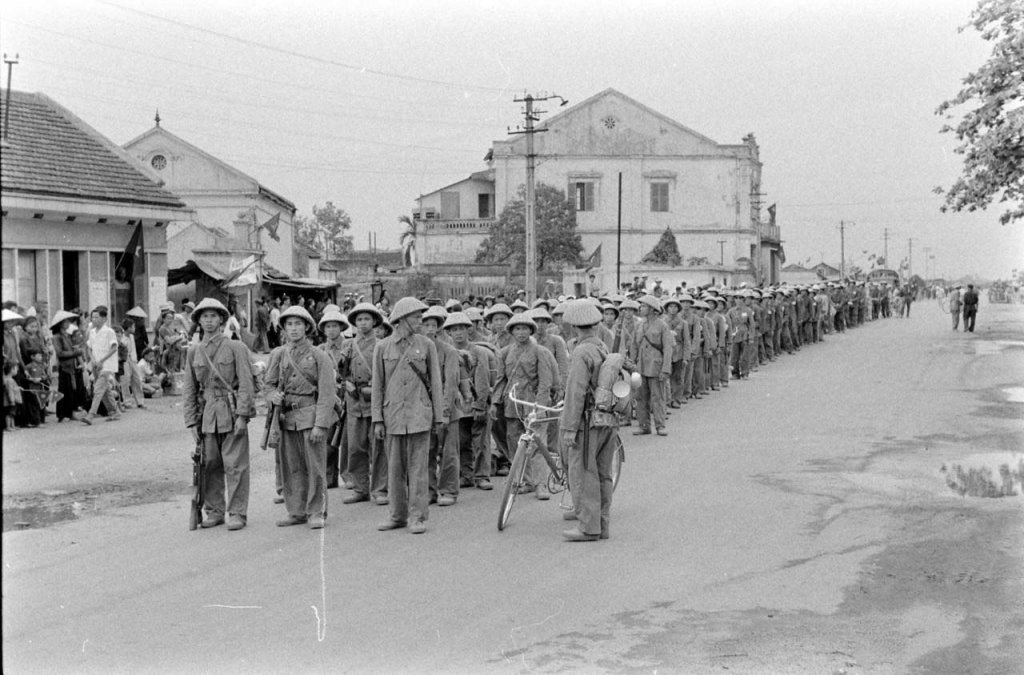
408 241
666 251
558 243
991 136
326 231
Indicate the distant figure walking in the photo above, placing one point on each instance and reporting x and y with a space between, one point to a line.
970 308
954 305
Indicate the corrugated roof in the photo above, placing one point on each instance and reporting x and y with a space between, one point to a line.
50 152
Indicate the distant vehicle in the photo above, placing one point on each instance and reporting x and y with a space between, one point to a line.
892 277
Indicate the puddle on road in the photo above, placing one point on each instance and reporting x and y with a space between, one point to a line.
38 515
989 347
1014 394
990 475
52 507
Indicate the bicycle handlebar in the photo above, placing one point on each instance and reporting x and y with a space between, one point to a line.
535 406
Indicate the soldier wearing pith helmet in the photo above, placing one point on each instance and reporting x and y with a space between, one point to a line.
332 324
587 442
218 402
301 380
407 402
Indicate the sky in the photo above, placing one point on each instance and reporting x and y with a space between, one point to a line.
370 104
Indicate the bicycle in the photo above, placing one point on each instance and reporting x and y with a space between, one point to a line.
558 479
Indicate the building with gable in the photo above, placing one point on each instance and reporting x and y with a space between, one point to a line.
224 201
612 150
72 200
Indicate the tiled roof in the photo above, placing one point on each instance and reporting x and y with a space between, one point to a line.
50 152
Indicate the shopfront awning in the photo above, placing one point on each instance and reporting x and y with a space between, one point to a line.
194 269
301 283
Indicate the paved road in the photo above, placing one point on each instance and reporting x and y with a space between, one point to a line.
795 522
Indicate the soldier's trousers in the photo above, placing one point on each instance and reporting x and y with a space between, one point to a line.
794 331
408 479
777 341
766 342
956 318
474 457
367 463
688 379
502 453
651 402
303 474
739 358
590 478
676 379
226 474
443 463
722 358
536 468
334 466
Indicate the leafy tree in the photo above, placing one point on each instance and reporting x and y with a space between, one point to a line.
408 241
666 251
992 135
558 243
326 231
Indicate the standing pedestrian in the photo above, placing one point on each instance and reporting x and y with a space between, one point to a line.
970 308
218 398
332 324
652 354
955 305
103 348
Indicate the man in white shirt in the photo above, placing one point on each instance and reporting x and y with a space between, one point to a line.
103 351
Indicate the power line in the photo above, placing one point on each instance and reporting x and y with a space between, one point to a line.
308 57
337 112
192 64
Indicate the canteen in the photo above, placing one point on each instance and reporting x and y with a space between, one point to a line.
635 380
622 388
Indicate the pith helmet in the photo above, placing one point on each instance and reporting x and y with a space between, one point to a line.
700 304
519 304
388 328
296 311
651 302
498 308
214 304
473 314
609 307
453 305
559 309
581 313
331 308
542 302
404 307
365 307
538 314
437 313
521 320
456 319
672 301
334 315
630 303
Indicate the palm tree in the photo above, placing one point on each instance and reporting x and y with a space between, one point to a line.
408 241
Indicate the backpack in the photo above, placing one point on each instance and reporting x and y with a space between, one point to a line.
614 393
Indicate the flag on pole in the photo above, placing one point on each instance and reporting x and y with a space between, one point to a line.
133 259
594 260
271 226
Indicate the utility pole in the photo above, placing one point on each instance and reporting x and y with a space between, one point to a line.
885 239
842 247
530 116
927 251
7 106
721 252
910 258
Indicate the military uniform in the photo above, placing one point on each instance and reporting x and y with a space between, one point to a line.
443 461
592 452
367 464
680 349
306 377
212 398
409 411
652 354
337 455
525 368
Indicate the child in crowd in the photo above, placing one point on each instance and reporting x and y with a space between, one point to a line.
37 393
152 382
12 395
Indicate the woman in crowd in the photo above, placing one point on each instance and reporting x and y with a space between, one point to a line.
69 353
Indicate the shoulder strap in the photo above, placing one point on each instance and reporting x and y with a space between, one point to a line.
209 362
295 368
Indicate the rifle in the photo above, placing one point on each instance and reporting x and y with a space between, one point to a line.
272 430
195 515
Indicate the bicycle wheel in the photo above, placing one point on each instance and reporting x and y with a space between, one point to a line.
617 459
516 477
